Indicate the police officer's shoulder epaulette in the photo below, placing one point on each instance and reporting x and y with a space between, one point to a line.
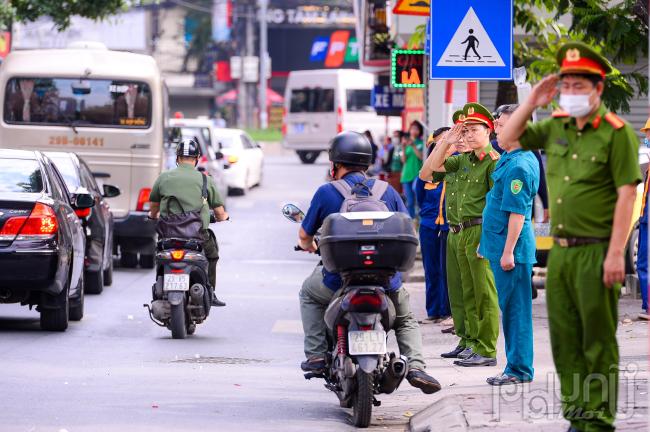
559 114
494 155
614 120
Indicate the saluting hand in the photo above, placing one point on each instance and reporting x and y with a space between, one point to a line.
454 135
544 91
613 269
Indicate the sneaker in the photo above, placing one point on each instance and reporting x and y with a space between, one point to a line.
313 364
503 379
425 382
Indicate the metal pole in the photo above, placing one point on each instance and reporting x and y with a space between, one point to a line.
241 86
264 115
250 51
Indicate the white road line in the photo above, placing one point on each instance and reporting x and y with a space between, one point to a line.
287 326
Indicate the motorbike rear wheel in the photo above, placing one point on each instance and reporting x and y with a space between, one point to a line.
178 322
362 400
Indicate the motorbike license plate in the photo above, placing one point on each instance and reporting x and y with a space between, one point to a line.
299 128
367 342
176 282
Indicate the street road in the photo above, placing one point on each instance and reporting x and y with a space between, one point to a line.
117 371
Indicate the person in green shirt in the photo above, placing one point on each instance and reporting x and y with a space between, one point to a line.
412 155
185 184
473 171
593 172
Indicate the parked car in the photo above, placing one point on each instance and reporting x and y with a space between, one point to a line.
42 241
245 159
97 221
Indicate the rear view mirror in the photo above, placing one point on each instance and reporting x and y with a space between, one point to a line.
218 155
83 201
111 191
293 213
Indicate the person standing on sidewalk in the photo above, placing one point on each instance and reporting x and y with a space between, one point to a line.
412 155
593 172
474 172
433 240
508 242
642 255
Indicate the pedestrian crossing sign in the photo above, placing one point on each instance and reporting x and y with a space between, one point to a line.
471 40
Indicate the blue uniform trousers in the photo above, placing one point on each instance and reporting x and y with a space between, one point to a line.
515 301
433 243
642 264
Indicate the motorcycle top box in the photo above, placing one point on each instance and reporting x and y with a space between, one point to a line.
368 242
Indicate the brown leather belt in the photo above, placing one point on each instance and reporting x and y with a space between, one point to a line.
567 242
470 223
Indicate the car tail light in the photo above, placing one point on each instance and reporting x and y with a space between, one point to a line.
339 120
284 122
366 300
143 200
233 159
82 213
178 254
41 222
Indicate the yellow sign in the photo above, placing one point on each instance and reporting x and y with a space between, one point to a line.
412 7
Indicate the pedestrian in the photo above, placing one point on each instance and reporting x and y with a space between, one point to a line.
412 155
396 164
508 242
430 197
593 172
642 253
474 170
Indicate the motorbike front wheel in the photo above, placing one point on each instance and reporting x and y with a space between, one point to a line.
362 400
178 325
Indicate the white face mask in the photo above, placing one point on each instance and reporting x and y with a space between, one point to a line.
576 105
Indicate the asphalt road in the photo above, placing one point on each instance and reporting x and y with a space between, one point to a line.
117 371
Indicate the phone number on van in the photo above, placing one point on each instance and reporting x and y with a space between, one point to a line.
77 141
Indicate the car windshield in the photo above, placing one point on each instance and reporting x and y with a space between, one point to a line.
306 100
77 102
20 175
226 141
68 170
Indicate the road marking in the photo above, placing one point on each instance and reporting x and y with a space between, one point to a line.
272 261
287 326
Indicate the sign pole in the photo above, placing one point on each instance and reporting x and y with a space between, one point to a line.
264 116
449 100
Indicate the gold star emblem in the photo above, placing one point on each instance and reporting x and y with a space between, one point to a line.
462 117
470 110
573 54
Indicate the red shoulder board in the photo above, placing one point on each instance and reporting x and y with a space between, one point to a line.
614 120
494 155
559 114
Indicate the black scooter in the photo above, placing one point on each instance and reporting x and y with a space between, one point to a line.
359 316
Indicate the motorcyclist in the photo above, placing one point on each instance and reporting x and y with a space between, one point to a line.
350 155
185 183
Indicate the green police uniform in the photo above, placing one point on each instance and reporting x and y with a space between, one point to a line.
584 168
186 184
473 176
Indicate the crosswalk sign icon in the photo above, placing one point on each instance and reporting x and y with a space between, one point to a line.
472 40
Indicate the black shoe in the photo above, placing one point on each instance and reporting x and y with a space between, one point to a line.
425 382
216 302
313 364
476 360
448 330
453 353
465 354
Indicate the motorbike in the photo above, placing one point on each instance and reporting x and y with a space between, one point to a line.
181 294
367 249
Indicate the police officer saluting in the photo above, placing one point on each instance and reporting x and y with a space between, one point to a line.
593 172
185 184
508 242
474 172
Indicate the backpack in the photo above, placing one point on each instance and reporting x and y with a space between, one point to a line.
184 225
353 202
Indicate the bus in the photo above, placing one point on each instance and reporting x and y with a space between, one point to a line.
108 107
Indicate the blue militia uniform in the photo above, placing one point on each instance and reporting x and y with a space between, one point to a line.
433 243
516 180
642 255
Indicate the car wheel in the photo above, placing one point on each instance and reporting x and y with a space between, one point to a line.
308 157
129 260
108 273
57 319
76 312
147 261
236 192
94 283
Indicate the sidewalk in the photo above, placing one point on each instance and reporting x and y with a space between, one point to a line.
467 403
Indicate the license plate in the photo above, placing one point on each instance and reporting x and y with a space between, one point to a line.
176 282
299 128
367 342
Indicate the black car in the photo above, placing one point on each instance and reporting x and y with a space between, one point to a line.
97 221
42 241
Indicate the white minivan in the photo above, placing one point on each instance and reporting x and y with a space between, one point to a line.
321 103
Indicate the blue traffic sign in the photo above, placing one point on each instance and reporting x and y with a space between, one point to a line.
471 40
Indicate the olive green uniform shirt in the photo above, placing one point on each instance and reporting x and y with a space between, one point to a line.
474 181
451 195
584 169
186 184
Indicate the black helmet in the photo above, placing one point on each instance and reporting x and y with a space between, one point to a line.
188 148
351 148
